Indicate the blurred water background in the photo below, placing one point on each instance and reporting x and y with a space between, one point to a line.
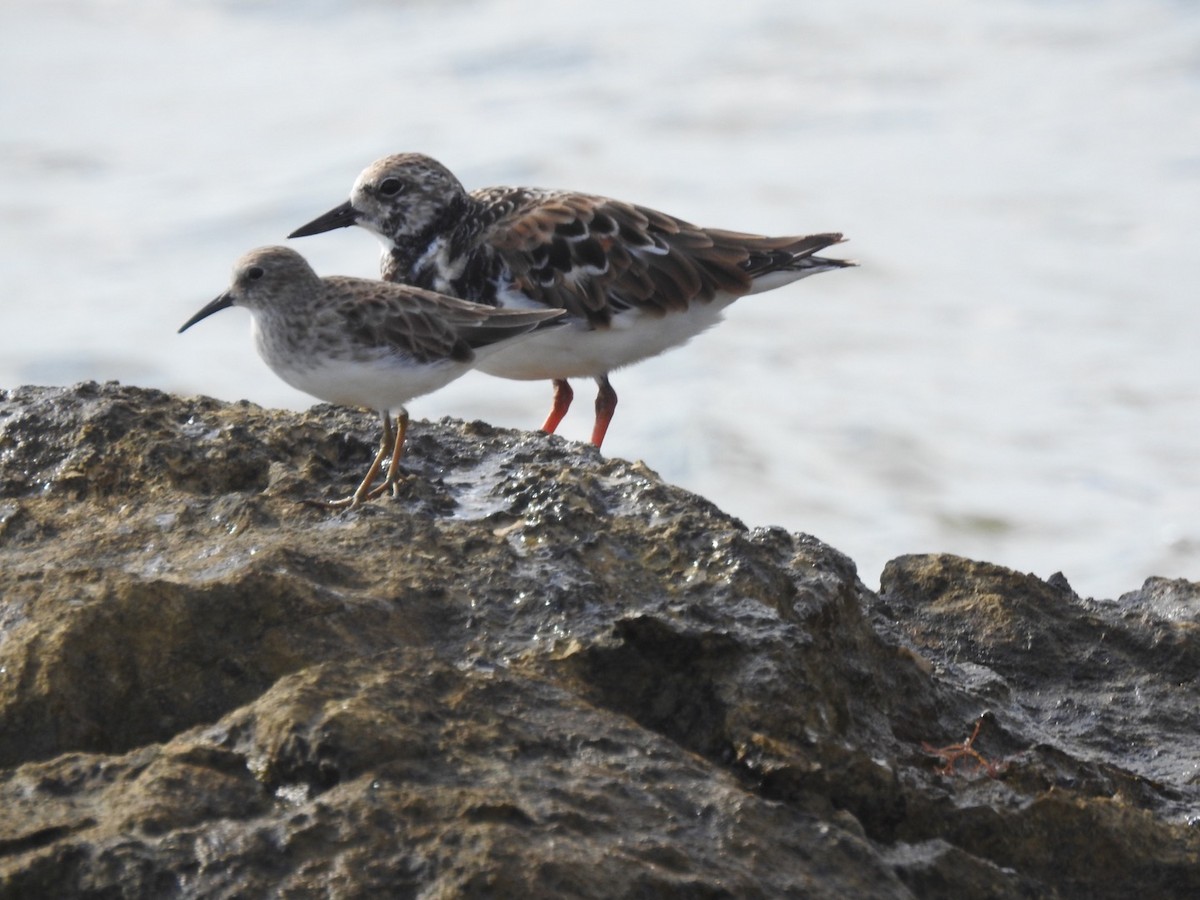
1013 374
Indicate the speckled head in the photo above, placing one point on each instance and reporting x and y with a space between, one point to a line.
397 197
265 279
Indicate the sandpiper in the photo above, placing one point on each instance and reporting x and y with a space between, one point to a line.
358 342
635 281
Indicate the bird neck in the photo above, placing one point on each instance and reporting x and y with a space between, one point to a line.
437 257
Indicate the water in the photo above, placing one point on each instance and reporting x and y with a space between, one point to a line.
1012 374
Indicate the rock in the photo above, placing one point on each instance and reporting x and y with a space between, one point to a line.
540 673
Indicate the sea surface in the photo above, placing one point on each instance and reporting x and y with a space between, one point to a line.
1013 373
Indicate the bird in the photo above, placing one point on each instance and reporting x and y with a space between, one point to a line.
634 281
363 342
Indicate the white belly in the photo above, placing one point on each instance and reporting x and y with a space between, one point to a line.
575 351
380 381
371 385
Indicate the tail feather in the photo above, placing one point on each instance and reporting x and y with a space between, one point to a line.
505 324
793 255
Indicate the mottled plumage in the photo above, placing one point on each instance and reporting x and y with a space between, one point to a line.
634 280
357 342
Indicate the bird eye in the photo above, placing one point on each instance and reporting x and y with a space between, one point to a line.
254 273
390 187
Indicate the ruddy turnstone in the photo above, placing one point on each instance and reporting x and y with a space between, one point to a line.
635 281
357 342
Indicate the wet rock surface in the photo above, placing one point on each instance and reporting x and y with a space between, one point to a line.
540 673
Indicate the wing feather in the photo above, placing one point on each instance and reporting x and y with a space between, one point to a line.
594 256
425 326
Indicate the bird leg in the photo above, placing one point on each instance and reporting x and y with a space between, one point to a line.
387 444
562 402
393 473
606 405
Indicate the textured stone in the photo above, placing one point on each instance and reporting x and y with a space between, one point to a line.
540 673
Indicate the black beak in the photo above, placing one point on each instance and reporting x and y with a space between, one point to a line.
223 302
339 217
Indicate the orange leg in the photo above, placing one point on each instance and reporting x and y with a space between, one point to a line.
387 444
563 395
393 473
606 405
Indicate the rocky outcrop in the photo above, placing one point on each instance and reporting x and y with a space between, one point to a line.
541 673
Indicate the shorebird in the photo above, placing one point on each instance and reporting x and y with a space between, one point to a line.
358 342
635 282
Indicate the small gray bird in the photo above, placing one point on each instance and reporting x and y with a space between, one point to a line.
358 342
635 281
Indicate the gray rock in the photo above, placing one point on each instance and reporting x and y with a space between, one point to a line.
541 673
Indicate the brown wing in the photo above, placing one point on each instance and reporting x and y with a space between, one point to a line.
425 325
594 256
